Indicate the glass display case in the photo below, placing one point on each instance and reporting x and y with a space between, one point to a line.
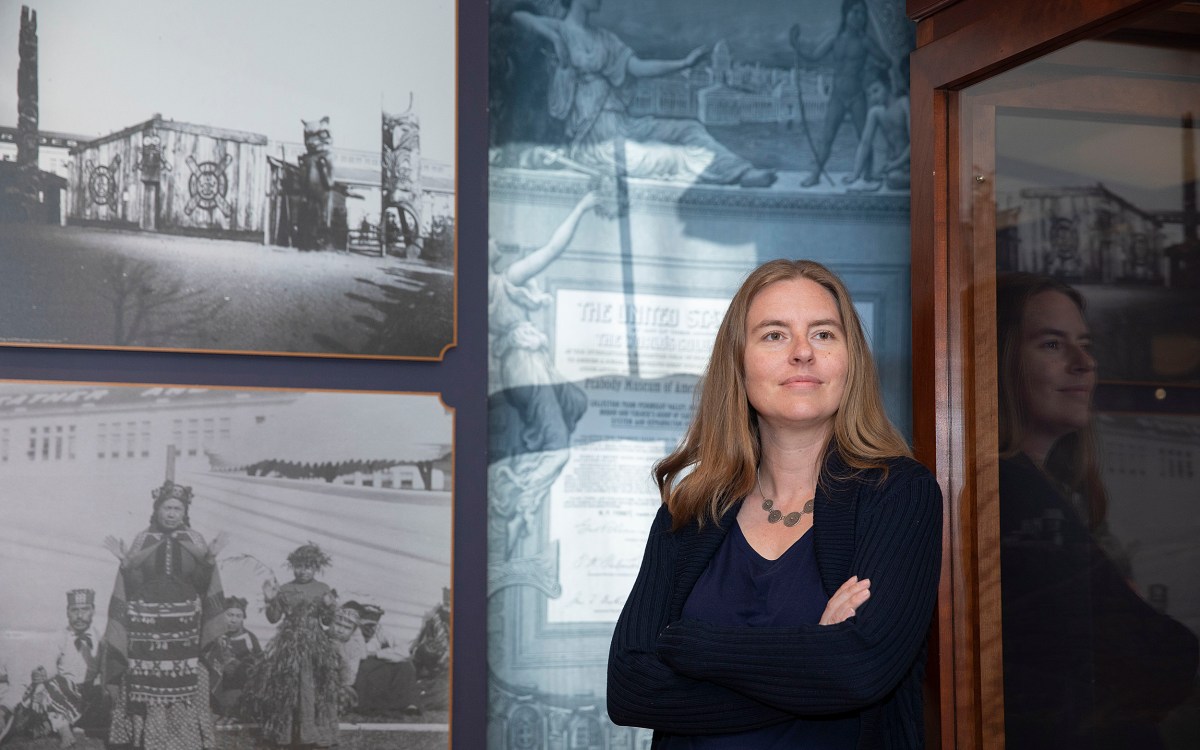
1056 268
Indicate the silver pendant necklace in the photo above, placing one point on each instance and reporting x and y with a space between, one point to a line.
775 516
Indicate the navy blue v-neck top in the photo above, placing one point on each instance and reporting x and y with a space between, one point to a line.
742 588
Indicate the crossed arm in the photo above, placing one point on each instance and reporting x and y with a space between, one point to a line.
689 677
642 689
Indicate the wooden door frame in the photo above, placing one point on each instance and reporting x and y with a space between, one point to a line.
960 43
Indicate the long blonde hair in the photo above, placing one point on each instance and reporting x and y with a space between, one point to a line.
722 446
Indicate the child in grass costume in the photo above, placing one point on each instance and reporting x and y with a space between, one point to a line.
295 688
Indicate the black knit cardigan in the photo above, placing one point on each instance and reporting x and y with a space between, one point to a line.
688 677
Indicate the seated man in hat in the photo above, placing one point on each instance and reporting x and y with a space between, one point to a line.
78 660
386 681
378 640
69 695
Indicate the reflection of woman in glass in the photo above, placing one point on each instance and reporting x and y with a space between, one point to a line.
593 66
165 622
1087 663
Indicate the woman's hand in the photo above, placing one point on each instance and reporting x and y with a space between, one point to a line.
117 547
270 589
846 600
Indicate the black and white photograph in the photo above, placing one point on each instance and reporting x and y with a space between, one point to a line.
1109 206
267 177
200 568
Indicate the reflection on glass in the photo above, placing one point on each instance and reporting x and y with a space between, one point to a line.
1098 346
1088 662
1099 203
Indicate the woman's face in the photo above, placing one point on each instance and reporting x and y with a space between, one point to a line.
796 357
234 617
304 573
342 630
170 514
1057 371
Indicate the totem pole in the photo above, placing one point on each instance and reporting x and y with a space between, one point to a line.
317 186
27 203
401 191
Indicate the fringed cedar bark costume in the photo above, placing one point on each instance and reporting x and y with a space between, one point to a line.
165 618
293 691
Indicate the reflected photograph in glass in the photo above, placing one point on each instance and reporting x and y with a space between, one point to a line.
1098 430
1101 204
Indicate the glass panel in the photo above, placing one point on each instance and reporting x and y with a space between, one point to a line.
1089 157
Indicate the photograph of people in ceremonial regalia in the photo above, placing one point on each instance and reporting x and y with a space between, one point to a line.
211 568
271 177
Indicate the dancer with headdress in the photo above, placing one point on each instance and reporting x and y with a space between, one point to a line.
294 691
165 620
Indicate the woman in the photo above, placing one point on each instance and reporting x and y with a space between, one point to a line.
296 687
593 66
1087 662
1047 376
165 621
789 579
